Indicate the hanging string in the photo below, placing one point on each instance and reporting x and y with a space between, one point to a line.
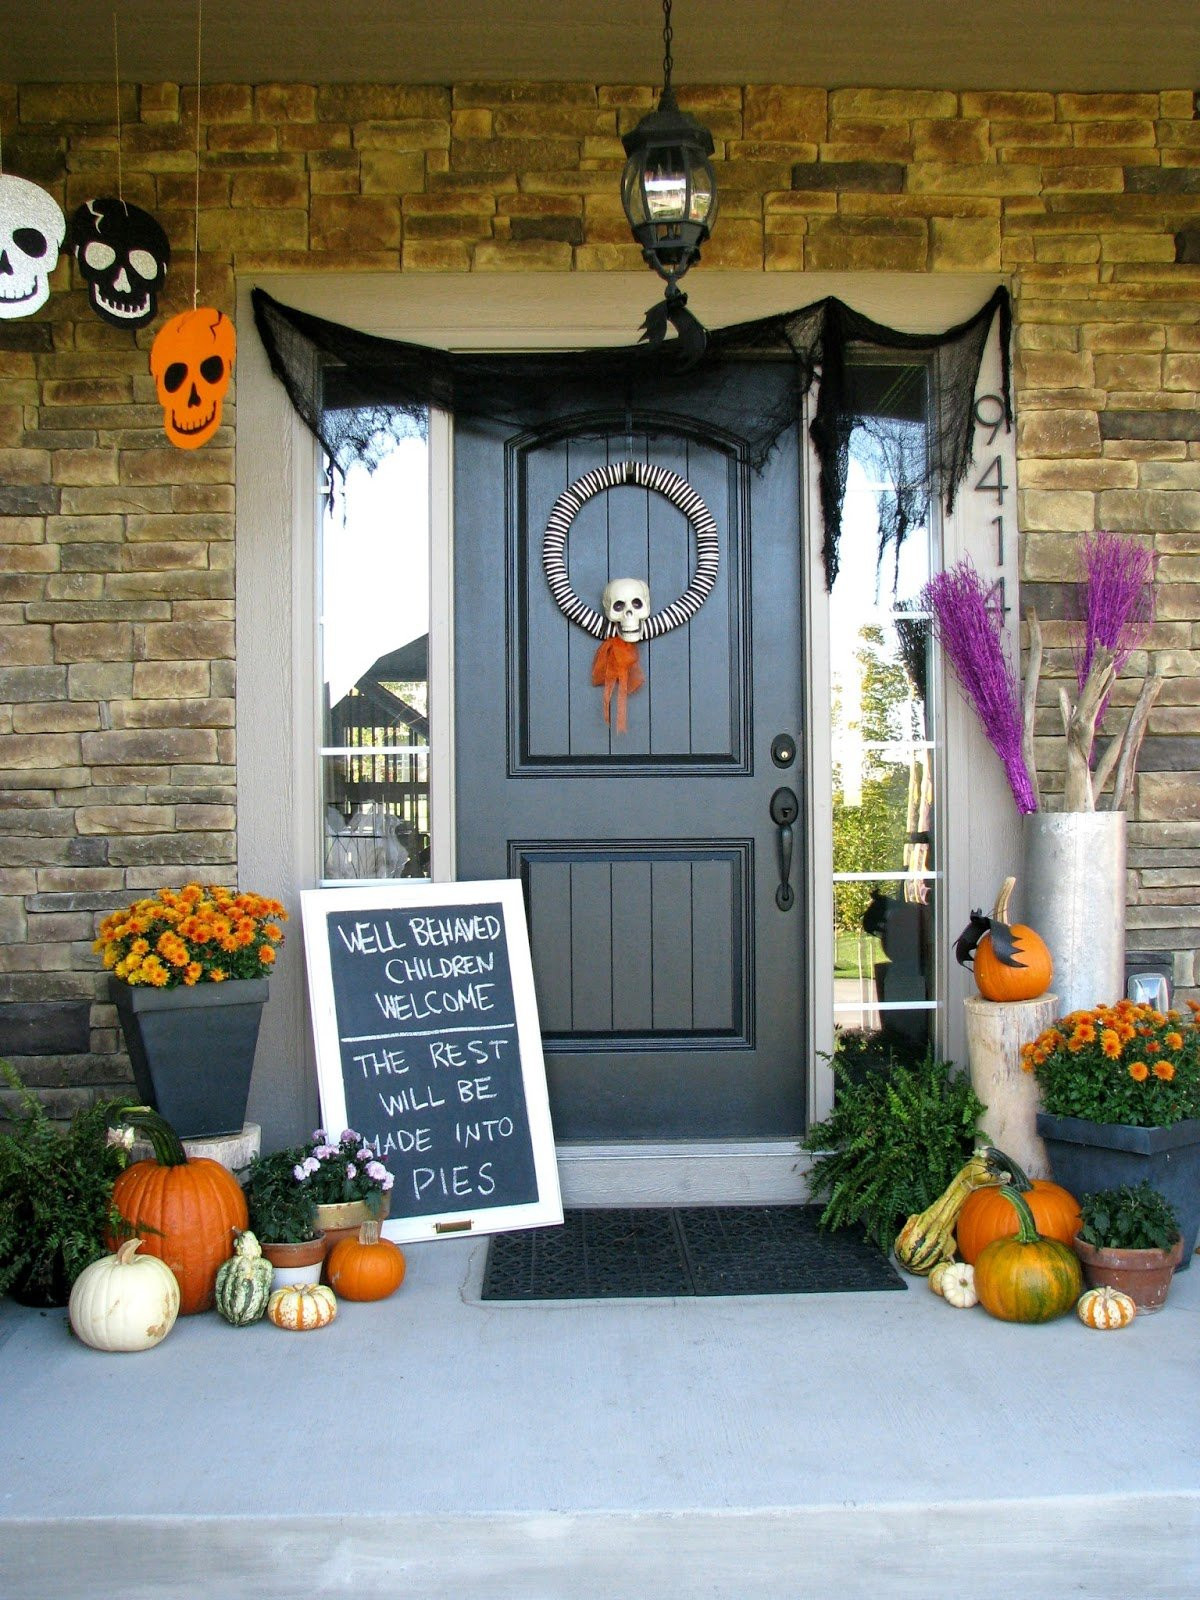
117 70
196 226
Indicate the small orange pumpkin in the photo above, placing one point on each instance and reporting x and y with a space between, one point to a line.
986 1216
1023 974
368 1267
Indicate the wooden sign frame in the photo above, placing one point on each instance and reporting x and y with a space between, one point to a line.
482 1217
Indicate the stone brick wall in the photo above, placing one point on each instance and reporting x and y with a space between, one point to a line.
116 553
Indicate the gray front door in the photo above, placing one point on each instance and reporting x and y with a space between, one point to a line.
670 983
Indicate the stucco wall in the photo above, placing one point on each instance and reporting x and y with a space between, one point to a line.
116 550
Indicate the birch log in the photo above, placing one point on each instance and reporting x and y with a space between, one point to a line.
996 1030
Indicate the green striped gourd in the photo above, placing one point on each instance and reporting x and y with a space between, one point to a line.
244 1282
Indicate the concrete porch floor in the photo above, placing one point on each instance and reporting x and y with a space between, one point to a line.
433 1446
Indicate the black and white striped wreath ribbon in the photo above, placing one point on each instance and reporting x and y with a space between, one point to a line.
681 495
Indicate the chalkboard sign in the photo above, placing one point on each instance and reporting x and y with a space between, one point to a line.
428 1045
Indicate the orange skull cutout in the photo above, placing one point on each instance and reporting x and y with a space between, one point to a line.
192 361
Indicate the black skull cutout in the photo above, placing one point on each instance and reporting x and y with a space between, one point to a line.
123 255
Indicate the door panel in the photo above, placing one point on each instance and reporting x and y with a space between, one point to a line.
692 708
670 984
640 945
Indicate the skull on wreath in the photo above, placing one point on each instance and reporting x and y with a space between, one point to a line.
626 604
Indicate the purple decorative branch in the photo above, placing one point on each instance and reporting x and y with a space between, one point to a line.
1119 574
970 625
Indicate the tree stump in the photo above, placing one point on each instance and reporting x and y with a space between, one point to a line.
996 1030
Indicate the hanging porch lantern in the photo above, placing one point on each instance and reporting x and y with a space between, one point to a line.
668 189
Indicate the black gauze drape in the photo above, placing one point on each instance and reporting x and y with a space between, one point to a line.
357 392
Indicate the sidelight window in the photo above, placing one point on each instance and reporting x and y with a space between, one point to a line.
886 868
373 646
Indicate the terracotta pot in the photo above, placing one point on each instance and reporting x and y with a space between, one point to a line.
1144 1275
295 1262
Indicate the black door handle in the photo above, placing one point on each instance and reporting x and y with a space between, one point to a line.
785 808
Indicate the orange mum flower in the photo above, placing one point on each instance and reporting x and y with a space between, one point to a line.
1110 1044
169 938
266 954
154 972
1174 1041
1164 1070
1139 1071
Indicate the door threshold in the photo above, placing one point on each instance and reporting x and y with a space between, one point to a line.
712 1172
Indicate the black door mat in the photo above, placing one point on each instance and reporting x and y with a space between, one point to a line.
645 1253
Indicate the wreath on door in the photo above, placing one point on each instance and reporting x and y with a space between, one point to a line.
625 617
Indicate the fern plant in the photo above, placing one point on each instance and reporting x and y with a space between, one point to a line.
55 1194
896 1137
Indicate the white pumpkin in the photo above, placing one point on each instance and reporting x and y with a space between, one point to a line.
958 1286
124 1301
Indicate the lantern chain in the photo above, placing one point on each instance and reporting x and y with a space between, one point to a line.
668 35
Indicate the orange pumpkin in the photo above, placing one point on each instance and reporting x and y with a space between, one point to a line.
1023 976
367 1267
986 1215
184 1211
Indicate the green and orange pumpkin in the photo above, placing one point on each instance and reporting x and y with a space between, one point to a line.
1027 1278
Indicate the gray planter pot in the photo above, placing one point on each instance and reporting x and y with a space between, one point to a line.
192 1050
1073 894
1086 1156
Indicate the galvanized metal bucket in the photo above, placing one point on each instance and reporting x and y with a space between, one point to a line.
1073 894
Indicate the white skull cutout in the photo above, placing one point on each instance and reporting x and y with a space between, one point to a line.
626 604
192 361
123 255
32 229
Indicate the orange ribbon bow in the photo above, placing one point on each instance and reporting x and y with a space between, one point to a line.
616 667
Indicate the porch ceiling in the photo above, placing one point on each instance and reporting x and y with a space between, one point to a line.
1003 44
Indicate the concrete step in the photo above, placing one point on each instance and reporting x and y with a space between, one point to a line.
437 1447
